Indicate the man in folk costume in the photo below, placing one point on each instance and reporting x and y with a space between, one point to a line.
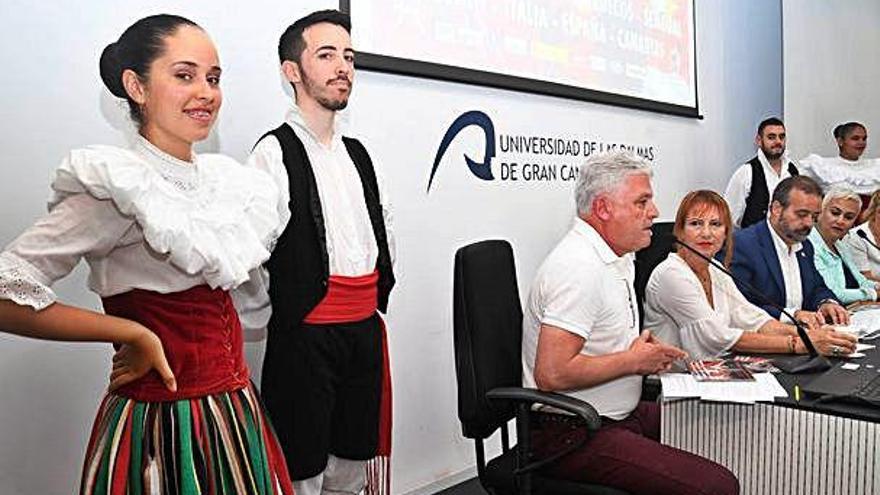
325 380
750 188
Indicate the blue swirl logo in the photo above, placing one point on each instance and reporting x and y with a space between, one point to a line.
482 168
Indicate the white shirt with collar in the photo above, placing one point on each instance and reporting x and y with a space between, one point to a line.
740 184
351 243
584 288
791 272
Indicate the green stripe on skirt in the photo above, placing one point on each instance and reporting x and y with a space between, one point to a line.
219 445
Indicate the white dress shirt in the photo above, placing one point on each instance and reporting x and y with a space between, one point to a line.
791 273
584 288
678 312
741 183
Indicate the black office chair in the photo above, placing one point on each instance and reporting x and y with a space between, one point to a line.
488 334
648 258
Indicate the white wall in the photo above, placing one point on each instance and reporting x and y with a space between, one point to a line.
831 71
52 100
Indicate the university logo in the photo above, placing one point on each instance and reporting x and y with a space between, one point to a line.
533 157
480 168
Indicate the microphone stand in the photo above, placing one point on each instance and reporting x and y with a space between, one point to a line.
811 363
864 237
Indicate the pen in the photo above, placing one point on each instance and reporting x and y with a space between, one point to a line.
797 393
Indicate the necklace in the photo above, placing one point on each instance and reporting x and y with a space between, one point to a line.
704 279
706 282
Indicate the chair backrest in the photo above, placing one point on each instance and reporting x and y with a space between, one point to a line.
487 331
648 258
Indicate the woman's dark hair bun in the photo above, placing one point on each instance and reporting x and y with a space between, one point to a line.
844 130
138 46
111 70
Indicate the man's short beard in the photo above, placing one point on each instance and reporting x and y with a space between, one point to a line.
792 234
328 103
333 105
773 156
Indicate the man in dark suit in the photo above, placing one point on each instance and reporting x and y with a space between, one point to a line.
776 257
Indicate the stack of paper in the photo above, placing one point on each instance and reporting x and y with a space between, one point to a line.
865 323
765 388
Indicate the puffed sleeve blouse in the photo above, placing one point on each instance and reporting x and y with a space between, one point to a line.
142 219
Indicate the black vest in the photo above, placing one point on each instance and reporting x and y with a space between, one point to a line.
759 196
299 268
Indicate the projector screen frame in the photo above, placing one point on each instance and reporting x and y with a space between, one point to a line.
431 70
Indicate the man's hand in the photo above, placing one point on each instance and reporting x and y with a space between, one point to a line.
830 342
835 313
651 356
811 319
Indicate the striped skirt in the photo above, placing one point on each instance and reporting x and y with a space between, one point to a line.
212 445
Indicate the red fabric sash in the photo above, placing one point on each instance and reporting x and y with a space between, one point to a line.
352 299
348 299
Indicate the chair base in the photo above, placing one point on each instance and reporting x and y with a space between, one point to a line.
499 481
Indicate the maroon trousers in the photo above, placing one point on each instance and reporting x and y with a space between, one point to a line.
628 455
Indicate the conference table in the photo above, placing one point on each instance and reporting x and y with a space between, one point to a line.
788 446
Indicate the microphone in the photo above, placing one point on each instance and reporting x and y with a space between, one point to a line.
812 363
864 236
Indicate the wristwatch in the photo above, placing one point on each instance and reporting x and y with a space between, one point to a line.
828 300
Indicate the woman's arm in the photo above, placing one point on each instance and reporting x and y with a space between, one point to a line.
141 347
78 226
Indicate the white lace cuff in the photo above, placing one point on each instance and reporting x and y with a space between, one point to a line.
20 283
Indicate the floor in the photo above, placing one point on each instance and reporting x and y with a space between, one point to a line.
469 487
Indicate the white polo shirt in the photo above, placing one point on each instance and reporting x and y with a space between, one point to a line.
584 288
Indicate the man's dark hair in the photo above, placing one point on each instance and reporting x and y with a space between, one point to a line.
782 193
292 43
844 130
769 121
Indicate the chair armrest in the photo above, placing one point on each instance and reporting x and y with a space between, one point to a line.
563 402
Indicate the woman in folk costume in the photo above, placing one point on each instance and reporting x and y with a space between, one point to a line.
848 170
166 234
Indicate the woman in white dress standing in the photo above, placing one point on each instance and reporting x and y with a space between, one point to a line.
166 234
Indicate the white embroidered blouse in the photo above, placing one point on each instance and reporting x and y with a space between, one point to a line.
861 176
143 219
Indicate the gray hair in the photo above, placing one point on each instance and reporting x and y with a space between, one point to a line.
604 173
840 192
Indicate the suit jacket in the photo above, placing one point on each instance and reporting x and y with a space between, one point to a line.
755 261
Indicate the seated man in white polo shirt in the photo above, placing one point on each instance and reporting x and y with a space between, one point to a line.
581 337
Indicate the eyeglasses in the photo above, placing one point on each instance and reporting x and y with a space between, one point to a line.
634 319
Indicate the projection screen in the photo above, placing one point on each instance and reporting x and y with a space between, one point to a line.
631 53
